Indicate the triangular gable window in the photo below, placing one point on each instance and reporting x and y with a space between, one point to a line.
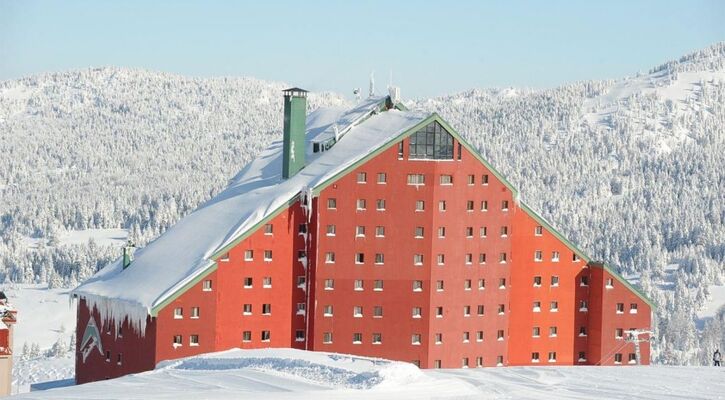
432 142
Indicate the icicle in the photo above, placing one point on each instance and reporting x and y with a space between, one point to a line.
116 311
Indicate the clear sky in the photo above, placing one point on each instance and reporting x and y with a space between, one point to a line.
432 48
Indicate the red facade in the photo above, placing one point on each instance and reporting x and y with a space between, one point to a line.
445 271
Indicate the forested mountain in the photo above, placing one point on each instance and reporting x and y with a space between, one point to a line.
630 169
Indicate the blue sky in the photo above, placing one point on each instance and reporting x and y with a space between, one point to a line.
432 48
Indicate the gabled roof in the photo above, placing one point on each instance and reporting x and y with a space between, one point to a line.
187 249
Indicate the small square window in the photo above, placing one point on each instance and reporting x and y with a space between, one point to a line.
266 336
327 311
268 229
466 311
537 281
329 257
555 256
554 306
377 311
299 335
377 338
379 231
361 204
266 309
536 332
419 232
417 286
380 204
379 258
378 285
554 281
469 205
502 258
193 340
248 255
505 205
359 258
441 205
206 286
471 179
552 356
359 231
329 284
267 282
417 312
358 285
178 341
441 231
467 284
357 311
501 309
538 257
610 283
441 259
438 338
247 309
481 284
330 230
247 336
504 231
466 337
362 177
484 179
327 337
620 308
195 312
538 230
553 331
446 179
382 178
331 204
268 255
439 286
535 357
536 306
418 259
483 231
500 334
469 232
484 205
415 339
482 258
419 205
302 229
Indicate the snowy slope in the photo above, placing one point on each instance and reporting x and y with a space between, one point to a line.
296 374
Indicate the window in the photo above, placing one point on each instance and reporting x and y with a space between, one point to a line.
416 179
632 359
538 230
377 311
360 231
266 336
505 205
618 358
441 231
357 311
193 340
441 205
484 179
330 230
502 283
224 257
469 232
575 257
431 142
483 231
479 336
610 283
301 308
268 255
247 309
378 285
537 281
536 306
480 310
437 364
446 179
266 309
584 281
382 178
327 337
536 332
178 313
417 312
620 308
582 331
439 312
247 336
464 362
554 306
502 258
466 311
380 204
248 255
553 331
582 356
362 177
501 309
499 334
633 308
438 338
479 362
178 341
248 282
482 258
535 357
358 285
415 339
484 205
206 286
418 259
554 281
467 284
329 257
583 305
552 356
466 337
417 286
268 229
469 205
555 256
481 284
331 203
194 312
504 231
377 338
419 205
267 282
618 333
359 258
471 179
301 255
327 311
329 284
379 231
538 257
419 232
441 259
299 336
439 286
361 204
400 150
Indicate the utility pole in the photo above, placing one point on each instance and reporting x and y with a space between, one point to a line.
633 336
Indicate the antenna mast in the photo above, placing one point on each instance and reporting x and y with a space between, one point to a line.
633 336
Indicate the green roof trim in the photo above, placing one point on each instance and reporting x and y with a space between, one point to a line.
178 292
624 281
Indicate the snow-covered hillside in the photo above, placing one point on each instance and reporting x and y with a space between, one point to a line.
296 374
631 170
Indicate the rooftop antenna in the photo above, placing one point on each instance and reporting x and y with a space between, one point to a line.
372 84
356 92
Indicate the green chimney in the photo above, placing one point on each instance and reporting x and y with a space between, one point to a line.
128 254
295 114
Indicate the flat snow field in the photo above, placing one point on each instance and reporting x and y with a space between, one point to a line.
295 374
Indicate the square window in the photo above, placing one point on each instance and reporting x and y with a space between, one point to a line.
415 339
502 258
466 311
446 179
483 231
501 309
267 282
382 178
302 229
554 306
417 286
362 177
535 357
359 231
358 285
359 258
178 313
620 308
441 231
441 259
248 255
301 281
377 338
538 230
266 336
361 204
538 257
536 332
247 309
268 229
610 283
206 286
193 340
469 232
618 358
583 306
380 204
504 231
469 205
553 331
331 204
439 312
582 331
439 286
471 179
554 281
499 334
379 258
633 308
299 335
329 257
248 282
481 284
247 336
224 257
618 333
419 205
466 337
552 356
480 310
327 311
330 230
329 284
418 259
537 281
266 309
484 205
357 311
482 258
536 306
419 232
484 179
441 205
195 312
379 231
467 284
178 341
378 285
555 256
377 311
438 338
584 281
301 308
417 312
268 255
327 337
582 356
505 205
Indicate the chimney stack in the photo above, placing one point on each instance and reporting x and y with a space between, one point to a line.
128 254
295 115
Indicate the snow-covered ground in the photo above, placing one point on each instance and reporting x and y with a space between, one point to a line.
296 374
714 304
102 237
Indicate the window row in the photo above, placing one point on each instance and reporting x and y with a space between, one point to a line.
415 338
361 204
179 313
465 362
416 312
443 179
378 284
178 340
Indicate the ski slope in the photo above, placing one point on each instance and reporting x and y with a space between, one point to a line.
296 374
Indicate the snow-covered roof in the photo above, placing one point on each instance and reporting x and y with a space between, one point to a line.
184 251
